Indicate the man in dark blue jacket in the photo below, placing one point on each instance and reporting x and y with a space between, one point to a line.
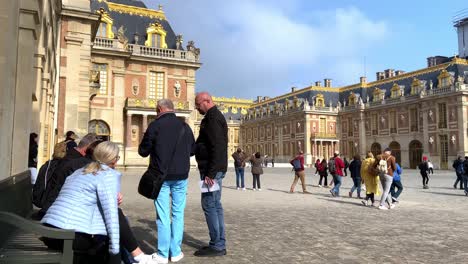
211 155
169 143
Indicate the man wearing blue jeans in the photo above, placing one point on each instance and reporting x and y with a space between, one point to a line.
337 174
211 155
239 166
169 142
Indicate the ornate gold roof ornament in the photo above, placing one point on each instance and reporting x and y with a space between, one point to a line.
137 11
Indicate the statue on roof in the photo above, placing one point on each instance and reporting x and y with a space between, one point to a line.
122 38
430 84
192 49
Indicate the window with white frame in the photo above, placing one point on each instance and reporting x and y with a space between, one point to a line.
152 85
159 85
102 68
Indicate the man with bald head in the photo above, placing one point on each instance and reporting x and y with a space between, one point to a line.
211 155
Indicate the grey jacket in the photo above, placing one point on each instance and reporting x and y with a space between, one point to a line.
256 165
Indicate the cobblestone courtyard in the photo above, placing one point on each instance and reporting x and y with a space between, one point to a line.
273 226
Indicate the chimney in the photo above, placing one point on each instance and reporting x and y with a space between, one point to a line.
363 79
293 89
389 73
327 82
399 72
266 98
318 83
380 76
259 99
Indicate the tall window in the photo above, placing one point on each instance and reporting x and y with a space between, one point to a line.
156 40
156 85
323 125
350 126
374 124
442 115
414 119
102 30
102 68
393 122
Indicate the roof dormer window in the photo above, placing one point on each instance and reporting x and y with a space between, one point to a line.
156 36
105 27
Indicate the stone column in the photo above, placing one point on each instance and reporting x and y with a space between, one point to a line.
425 125
462 127
321 154
362 134
119 104
308 147
145 122
128 132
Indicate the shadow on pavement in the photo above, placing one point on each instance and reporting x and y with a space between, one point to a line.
148 242
449 194
338 200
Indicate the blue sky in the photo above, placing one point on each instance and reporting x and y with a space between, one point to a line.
265 47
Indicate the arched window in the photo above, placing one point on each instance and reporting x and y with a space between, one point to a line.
105 27
156 36
396 91
352 99
319 100
100 128
378 95
445 79
415 86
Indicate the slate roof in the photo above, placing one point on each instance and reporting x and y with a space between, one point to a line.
134 24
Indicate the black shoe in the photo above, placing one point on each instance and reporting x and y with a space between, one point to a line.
209 252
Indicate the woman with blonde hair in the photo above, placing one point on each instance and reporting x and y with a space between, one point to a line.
88 204
371 179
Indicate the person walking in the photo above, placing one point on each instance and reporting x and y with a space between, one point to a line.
169 143
322 170
316 166
385 165
396 184
257 170
346 166
299 173
32 157
430 167
355 170
239 166
211 156
465 175
459 171
423 168
370 178
70 138
335 166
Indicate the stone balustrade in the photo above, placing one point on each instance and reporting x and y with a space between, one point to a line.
323 135
138 50
151 103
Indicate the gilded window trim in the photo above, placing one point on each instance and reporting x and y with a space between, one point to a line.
105 18
156 28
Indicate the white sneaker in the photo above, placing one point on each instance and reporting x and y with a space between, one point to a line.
243 189
178 258
383 207
254 189
158 259
392 206
320 186
144 259
237 188
259 189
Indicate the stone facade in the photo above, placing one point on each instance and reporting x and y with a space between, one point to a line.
28 58
419 113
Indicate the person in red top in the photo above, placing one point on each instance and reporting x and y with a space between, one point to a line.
337 173
298 164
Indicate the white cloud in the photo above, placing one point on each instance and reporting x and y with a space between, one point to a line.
251 48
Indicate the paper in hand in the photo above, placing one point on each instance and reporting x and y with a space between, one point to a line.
204 188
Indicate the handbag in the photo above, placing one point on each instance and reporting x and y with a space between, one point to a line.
296 164
150 183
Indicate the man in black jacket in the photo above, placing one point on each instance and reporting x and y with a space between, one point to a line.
75 159
211 155
169 143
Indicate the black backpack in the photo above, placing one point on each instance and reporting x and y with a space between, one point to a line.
45 175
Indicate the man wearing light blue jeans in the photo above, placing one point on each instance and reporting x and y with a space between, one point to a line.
170 235
169 142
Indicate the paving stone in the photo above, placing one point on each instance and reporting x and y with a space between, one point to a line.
273 226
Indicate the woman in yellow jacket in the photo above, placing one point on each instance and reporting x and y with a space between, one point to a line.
370 178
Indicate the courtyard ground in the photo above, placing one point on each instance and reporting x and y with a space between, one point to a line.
273 226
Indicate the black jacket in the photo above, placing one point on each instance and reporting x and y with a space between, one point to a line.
32 157
355 169
159 142
69 164
211 150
